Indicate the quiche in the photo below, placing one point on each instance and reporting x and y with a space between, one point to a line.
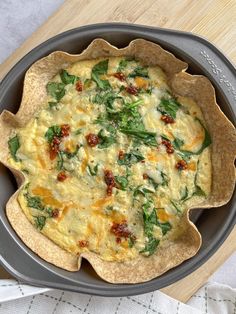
111 149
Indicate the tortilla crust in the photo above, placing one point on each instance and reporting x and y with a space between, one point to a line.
171 252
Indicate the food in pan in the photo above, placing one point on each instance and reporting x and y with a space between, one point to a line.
112 148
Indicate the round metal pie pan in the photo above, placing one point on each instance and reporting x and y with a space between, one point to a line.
214 224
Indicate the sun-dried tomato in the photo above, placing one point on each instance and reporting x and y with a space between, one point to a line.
167 119
118 240
145 176
181 165
61 176
168 145
120 229
120 76
121 155
110 181
132 90
65 130
92 139
55 213
83 243
79 86
54 147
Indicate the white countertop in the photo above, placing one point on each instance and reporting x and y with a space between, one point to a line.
20 18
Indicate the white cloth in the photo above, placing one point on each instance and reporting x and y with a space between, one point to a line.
19 298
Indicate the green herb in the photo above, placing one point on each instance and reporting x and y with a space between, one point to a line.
56 90
40 221
25 171
169 107
52 104
105 141
153 183
122 65
198 191
139 71
70 155
52 131
165 227
142 191
14 145
177 143
88 83
179 210
100 69
147 138
49 211
150 246
60 161
130 158
34 202
131 242
77 132
185 194
165 179
122 182
107 98
207 139
93 171
67 78
109 208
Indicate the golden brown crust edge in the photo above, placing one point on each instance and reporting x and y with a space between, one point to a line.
183 84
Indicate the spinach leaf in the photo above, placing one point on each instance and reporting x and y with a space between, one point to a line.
149 220
139 71
67 78
14 145
40 221
122 65
70 155
207 139
78 131
175 205
60 161
185 194
52 131
93 171
56 90
165 227
52 104
153 183
34 202
147 138
150 246
130 158
105 141
177 143
142 190
98 70
198 191
122 182
165 179
169 107
107 99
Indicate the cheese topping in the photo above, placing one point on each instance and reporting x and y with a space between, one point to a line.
112 159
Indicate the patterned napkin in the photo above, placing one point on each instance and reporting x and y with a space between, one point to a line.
16 297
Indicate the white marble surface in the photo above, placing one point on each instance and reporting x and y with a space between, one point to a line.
20 18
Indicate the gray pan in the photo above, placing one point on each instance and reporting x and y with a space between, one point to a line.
214 224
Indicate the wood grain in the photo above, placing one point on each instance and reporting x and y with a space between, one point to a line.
213 19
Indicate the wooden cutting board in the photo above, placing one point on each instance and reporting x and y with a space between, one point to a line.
213 19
